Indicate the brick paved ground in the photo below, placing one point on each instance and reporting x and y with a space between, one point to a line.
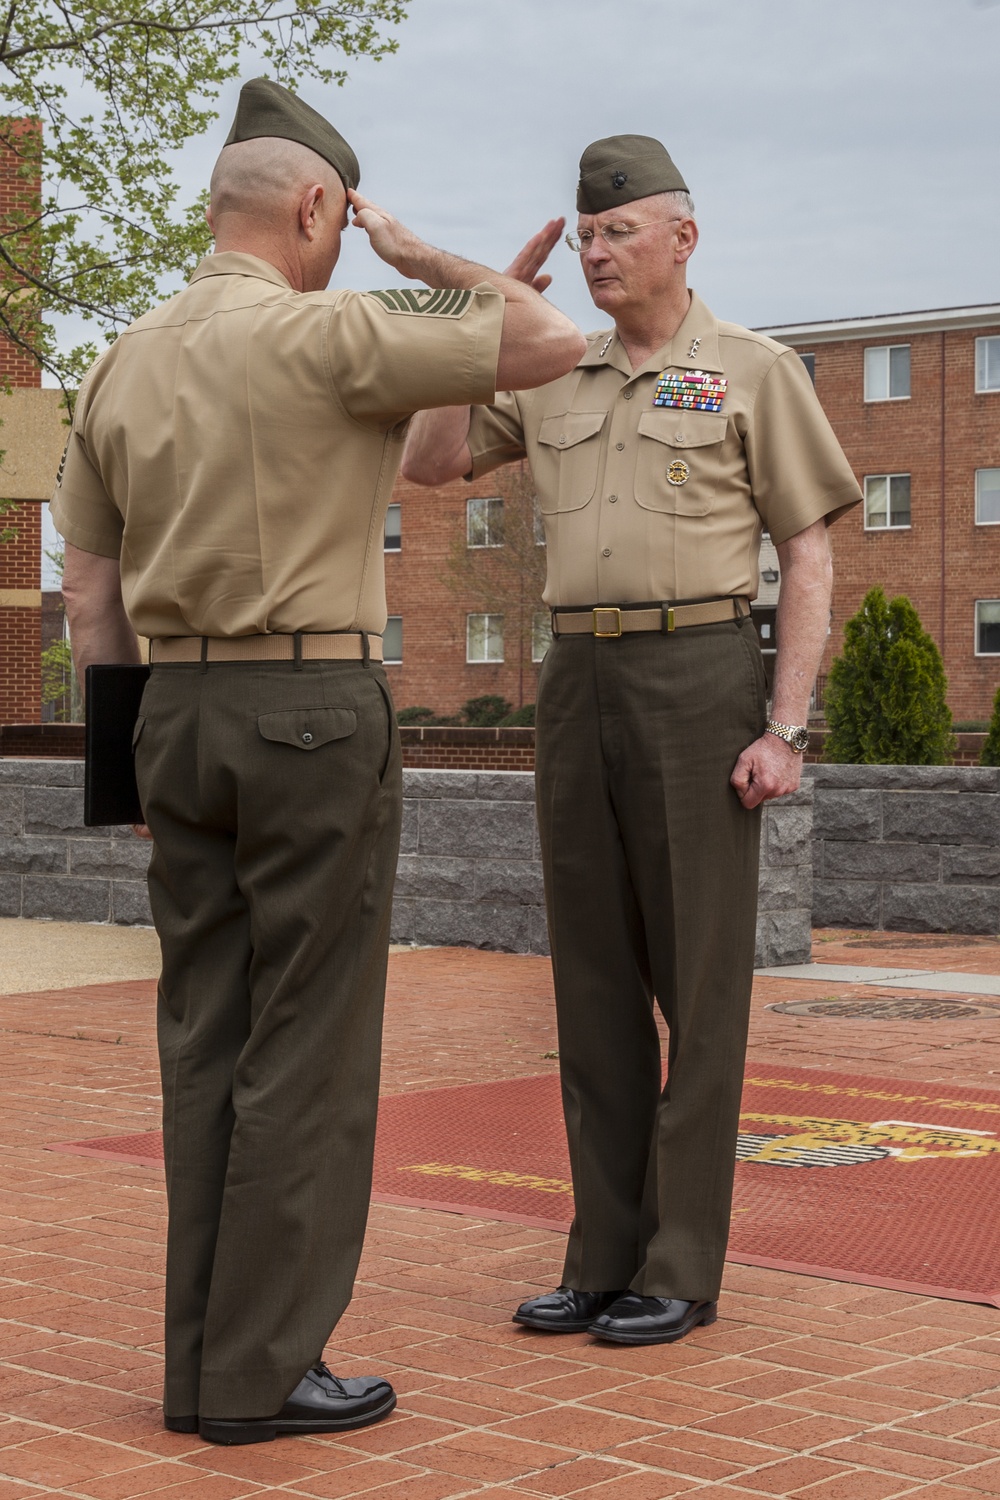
804 1387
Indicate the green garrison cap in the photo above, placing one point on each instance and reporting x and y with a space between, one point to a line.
620 169
266 108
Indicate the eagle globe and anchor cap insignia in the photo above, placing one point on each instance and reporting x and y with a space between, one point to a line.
619 179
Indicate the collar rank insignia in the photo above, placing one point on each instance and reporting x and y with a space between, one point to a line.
695 390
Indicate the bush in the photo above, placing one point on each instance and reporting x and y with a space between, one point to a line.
990 753
885 696
485 712
416 716
521 718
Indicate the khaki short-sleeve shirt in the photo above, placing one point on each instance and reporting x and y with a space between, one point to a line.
237 446
646 502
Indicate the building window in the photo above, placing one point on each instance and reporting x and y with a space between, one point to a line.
484 522
887 501
392 639
988 627
988 497
541 634
887 373
988 364
809 360
484 638
394 529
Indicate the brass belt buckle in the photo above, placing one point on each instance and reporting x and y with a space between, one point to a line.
613 611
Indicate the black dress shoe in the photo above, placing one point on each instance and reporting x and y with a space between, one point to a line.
319 1403
564 1310
634 1319
180 1424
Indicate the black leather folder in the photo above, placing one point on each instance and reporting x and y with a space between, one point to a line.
110 794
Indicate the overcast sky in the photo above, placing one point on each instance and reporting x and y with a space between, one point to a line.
844 155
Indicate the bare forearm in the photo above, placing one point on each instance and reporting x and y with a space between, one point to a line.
99 628
802 625
437 447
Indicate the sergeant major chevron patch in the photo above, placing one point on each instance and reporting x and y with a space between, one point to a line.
446 302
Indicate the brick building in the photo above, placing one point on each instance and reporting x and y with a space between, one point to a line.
31 440
915 400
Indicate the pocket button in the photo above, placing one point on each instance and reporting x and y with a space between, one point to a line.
307 738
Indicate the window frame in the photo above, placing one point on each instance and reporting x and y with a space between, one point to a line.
540 616
393 505
486 501
888 349
483 661
990 469
902 474
987 390
393 661
983 655
808 358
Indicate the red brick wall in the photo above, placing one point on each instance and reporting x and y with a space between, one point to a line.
20 559
940 436
434 673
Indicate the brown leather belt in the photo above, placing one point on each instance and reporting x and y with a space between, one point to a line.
341 646
608 621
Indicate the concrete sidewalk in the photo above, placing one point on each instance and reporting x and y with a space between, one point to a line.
804 1387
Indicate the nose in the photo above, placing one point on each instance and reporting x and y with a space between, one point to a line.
597 251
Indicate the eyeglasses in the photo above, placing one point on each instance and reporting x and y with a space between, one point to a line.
614 234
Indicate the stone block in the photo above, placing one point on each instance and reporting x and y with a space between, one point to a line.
41 773
846 814
788 834
779 887
843 860
511 881
783 938
505 786
57 810
477 829
113 859
846 903
64 900
401 929
966 865
421 877
411 822
906 778
538 931
464 924
941 909
426 786
11 815
130 903
28 855
10 895
941 817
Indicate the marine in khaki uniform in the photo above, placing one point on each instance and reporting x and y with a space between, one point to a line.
658 462
224 494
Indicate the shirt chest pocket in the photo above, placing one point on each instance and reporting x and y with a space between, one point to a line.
567 460
678 466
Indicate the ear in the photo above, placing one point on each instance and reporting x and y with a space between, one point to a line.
209 220
311 207
685 239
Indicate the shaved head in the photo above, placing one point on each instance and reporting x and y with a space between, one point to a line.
265 179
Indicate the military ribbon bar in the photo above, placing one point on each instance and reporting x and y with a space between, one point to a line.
696 390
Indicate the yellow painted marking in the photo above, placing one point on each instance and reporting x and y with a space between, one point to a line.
493 1177
849 1092
906 1142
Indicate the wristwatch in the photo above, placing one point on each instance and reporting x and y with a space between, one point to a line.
795 735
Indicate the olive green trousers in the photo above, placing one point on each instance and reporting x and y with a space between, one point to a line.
274 799
650 865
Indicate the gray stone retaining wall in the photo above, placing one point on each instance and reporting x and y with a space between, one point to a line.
469 868
908 848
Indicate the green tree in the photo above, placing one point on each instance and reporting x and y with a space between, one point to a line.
990 753
97 99
885 695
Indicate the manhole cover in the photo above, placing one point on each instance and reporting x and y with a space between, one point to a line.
892 1008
